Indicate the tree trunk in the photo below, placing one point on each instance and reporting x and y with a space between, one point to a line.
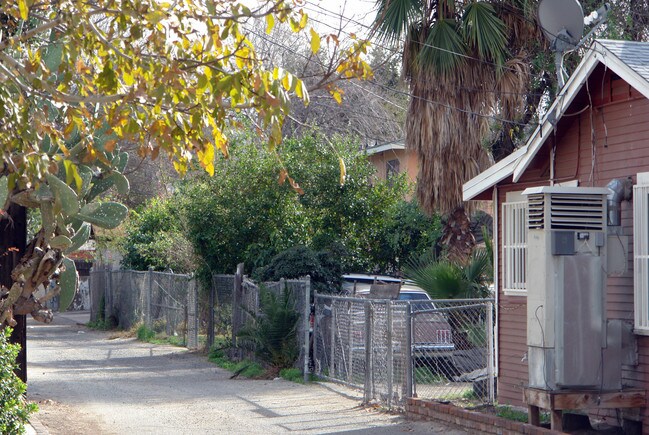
457 239
13 239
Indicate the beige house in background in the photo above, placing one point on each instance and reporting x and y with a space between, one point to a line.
393 158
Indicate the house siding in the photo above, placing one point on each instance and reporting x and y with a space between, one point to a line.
592 146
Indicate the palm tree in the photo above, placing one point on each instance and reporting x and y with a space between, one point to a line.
467 64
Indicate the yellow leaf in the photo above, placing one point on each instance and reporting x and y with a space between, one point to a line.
128 79
24 9
303 20
337 95
270 23
298 89
315 41
286 82
343 171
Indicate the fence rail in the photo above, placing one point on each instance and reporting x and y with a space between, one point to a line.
392 350
164 302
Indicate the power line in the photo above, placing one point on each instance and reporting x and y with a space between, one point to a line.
439 103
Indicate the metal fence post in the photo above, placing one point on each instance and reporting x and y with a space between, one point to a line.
306 322
192 317
368 353
333 322
211 314
317 369
490 352
389 338
409 375
147 297
350 342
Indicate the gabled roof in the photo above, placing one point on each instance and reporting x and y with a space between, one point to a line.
627 59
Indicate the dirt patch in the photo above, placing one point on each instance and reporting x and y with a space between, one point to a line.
60 419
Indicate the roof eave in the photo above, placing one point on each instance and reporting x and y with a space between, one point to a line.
493 175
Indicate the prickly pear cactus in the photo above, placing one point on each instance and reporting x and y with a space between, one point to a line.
68 201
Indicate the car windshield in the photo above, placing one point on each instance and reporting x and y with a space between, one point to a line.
413 297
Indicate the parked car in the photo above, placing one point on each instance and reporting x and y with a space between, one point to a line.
432 331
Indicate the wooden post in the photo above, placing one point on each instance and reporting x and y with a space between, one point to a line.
236 301
533 415
556 420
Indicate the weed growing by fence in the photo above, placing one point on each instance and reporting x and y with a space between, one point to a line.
245 368
514 414
148 335
14 409
293 375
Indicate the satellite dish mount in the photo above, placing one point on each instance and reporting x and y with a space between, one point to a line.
563 24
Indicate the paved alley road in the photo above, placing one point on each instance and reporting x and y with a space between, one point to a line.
87 383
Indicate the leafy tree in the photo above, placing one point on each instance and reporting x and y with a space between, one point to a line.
348 211
157 239
79 78
245 213
408 233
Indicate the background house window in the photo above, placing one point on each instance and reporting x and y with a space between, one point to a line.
514 250
641 252
391 168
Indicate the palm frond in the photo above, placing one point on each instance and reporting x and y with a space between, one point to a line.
485 32
442 47
394 17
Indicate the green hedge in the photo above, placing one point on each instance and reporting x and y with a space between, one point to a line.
14 409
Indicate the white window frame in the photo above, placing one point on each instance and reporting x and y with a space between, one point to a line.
514 245
641 254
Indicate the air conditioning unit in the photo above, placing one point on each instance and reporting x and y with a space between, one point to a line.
566 281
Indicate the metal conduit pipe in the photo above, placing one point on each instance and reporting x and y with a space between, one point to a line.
619 190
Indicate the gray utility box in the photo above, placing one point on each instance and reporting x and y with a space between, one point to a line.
566 275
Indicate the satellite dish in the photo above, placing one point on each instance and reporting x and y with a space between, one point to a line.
562 22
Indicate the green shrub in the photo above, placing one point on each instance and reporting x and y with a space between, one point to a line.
145 333
274 331
14 410
324 268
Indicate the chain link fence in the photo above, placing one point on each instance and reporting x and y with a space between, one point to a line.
165 302
397 349
453 350
235 302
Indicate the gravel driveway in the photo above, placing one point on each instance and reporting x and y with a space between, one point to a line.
87 383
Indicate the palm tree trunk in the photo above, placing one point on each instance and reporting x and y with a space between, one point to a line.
457 239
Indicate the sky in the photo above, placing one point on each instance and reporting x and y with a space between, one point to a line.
326 14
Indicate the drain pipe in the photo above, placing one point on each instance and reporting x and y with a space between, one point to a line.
619 190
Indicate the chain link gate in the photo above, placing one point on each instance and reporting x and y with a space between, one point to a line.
458 366
392 350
